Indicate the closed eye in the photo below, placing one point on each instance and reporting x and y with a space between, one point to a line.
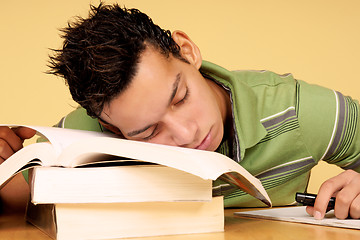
186 96
153 134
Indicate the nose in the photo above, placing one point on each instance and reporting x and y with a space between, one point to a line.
182 130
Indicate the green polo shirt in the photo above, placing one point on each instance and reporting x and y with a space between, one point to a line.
282 128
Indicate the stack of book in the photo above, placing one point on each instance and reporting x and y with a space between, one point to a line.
87 185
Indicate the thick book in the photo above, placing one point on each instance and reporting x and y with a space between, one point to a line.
123 220
128 183
73 148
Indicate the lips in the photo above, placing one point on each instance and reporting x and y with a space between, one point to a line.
205 143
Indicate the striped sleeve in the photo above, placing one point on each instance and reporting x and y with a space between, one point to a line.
343 149
329 122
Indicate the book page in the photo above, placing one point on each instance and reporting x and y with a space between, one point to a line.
298 214
208 165
34 154
60 138
205 164
42 154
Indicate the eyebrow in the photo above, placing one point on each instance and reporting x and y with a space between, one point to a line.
172 96
175 88
136 132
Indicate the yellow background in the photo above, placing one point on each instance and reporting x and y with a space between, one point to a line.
316 40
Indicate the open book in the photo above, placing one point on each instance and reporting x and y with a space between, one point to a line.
73 148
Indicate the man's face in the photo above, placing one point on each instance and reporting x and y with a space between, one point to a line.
169 102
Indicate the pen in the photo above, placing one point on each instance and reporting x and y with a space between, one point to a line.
308 199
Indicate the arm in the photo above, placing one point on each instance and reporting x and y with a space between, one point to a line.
330 124
15 193
343 151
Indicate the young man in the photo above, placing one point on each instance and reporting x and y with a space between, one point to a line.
143 83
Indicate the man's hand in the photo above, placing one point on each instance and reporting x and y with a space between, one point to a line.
11 140
346 188
15 193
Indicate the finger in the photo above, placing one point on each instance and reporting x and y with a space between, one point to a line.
24 132
355 208
347 195
5 150
310 210
326 191
9 138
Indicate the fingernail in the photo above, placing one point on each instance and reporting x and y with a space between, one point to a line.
317 215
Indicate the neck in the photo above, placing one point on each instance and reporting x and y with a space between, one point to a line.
224 102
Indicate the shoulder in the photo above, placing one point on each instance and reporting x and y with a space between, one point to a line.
78 119
255 78
262 83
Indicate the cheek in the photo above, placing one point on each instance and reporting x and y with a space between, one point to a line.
202 105
206 104
203 110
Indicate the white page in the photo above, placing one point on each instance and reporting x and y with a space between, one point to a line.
205 164
299 215
59 137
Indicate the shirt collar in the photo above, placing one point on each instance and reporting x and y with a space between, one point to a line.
248 129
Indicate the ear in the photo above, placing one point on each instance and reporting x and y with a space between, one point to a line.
188 48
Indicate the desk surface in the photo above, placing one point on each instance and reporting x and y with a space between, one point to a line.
14 227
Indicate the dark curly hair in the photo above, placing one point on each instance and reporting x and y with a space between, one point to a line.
100 53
